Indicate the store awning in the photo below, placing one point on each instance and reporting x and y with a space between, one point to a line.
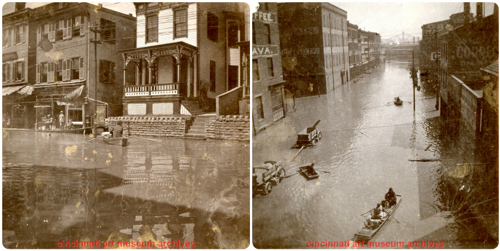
26 90
11 89
73 95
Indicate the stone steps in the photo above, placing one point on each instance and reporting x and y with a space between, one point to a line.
197 128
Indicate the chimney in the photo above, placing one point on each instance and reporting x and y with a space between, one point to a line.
479 11
20 6
466 8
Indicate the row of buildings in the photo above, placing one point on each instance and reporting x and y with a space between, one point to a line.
302 49
89 62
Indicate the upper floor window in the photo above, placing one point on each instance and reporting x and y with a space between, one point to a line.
270 68
255 68
108 31
75 68
58 74
43 72
212 27
254 39
77 23
5 72
180 23
19 70
106 71
19 33
233 34
264 6
6 37
152 28
267 33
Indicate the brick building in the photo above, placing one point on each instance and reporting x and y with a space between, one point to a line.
69 66
267 81
185 53
18 66
315 34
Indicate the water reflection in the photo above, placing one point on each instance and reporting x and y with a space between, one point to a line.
162 191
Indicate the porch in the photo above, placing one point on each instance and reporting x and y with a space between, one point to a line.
157 78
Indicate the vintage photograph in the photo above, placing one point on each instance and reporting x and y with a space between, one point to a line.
126 125
375 125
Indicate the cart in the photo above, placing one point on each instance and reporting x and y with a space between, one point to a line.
266 176
309 136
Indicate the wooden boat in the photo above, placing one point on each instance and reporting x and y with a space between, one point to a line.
307 174
116 141
396 102
366 233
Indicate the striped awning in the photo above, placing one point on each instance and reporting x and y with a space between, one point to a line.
21 89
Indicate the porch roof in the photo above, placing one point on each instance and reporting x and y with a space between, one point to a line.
182 48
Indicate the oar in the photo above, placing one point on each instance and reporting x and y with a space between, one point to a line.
366 212
394 219
302 148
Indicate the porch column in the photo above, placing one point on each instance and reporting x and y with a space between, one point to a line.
189 77
150 76
124 74
143 76
137 74
178 70
195 75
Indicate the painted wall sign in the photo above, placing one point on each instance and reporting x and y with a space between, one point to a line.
263 16
259 50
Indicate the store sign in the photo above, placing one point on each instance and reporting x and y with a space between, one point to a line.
262 16
259 50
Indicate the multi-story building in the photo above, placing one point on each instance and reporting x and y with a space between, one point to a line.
354 49
18 63
187 51
267 81
315 34
78 64
465 51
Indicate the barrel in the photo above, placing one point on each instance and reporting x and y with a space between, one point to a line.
124 141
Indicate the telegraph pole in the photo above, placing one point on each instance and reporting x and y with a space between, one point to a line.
96 30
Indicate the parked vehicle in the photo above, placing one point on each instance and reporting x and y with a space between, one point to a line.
309 136
266 176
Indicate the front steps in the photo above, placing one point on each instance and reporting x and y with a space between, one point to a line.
197 128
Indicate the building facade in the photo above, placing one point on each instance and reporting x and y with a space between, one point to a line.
267 82
186 51
354 49
73 75
315 35
18 66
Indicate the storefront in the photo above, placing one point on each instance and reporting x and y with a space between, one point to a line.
17 106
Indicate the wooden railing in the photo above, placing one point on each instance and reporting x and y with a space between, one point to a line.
151 90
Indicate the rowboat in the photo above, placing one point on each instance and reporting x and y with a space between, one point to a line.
365 233
308 174
398 102
116 141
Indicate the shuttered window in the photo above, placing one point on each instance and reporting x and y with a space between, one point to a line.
180 23
255 68
75 68
212 27
152 28
106 71
43 72
5 72
58 74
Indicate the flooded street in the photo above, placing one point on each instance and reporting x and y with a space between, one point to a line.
368 146
69 187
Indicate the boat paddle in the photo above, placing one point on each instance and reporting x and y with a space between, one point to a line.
366 212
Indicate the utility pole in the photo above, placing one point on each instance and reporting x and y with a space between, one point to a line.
96 30
414 78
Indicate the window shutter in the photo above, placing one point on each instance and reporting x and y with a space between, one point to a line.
63 27
82 25
63 70
50 76
68 69
22 70
38 73
70 28
98 35
52 34
52 71
38 35
82 69
13 37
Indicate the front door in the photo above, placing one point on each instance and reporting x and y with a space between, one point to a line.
232 77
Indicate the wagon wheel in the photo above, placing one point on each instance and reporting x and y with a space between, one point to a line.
281 174
319 135
314 142
268 188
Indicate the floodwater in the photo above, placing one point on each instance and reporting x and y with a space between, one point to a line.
60 188
369 145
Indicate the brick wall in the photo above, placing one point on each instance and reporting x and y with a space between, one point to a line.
231 127
151 126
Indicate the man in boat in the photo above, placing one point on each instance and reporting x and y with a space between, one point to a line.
310 169
391 197
117 130
376 218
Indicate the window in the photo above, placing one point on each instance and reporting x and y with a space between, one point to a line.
267 33
180 23
5 72
43 72
212 75
106 71
232 35
19 34
6 37
270 69
254 39
255 68
212 27
60 30
108 31
259 109
45 31
19 70
58 72
265 6
152 28
75 70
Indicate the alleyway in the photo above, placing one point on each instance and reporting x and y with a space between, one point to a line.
71 187
366 148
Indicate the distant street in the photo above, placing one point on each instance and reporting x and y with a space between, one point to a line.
72 187
368 145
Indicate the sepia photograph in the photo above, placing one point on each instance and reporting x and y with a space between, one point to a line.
375 125
126 125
